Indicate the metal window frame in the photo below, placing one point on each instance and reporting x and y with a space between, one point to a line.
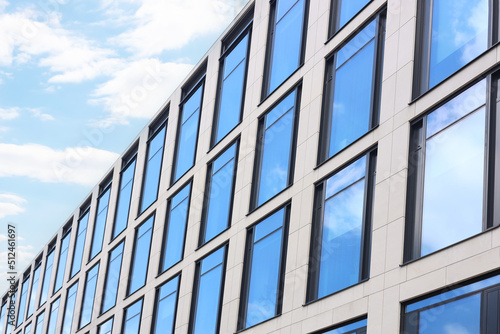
66 303
102 190
335 9
103 322
50 312
361 330
97 264
156 302
106 277
38 265
125 309
51 249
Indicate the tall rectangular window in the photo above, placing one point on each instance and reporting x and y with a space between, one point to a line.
233 66
54 312
100 220
473 307
275 150
112 277
152 170
175 227
343 11
47 274
132 318
341 234
353 327
165 307
69 309
23 299
140 256
89 296
124 195
451 181
12 305
106 327
63 256
264 268
286 42
187 129
3 314
450 34
208 291
80 242
219 193
39 323
353 83
27 329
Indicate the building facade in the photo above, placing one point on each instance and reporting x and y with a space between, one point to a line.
329 166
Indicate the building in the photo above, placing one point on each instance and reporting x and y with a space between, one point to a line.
327 167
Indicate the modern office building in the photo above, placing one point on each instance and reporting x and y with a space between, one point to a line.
329 166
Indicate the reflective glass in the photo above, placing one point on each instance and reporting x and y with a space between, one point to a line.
106 327
27 329
89 295
3 316
124 198
165 308
79 244
112 277
63 257
12 304
459 33
47 277
69 309
353 328
54 311
39 323
286 53
140 258
348 9
132 318
100 223
22 303
208 293
176 227
151 181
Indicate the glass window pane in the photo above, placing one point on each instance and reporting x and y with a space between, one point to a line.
69 309
79 244
89 295
140 259
27 329
353 328
166 306
63 257
39 323
100 223
124 197
47 277
54 311
12 305
348 9
151 181
132 318
34 291
112 278
22 304
3 316
106 327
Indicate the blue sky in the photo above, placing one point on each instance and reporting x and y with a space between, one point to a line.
78 80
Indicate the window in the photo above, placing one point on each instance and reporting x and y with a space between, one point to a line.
187 129
264 269
219 190
175 227
166 306
124 195
341 235
12 306
449 35
140 256
80 242
3 314
112 277
450 194
106 327
27 329
88 296
343 11
233 67
473 307
23 299
353 327
275 150
353 83
54 311
69 309
132 318
152 170
286 41
39 323
100 220
63 256
208 291
47 274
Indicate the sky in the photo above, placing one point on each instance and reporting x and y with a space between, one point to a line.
79 79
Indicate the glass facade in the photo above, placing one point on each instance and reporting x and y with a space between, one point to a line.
22 301
100 222
69 309
106 327
54 312
80 243
39 323
89 296
343 11
112 277
166 306
132 318
357 327
124 197
47 274
63 257
140 257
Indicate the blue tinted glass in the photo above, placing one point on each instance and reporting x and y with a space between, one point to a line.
153 169
282 7
287 45
187 145
277 112
3 315
167 300
27 329
47 277
124 198
357 43
235 57
348 9
112 278
192 105
341 240
39 323
224 158
139 269
106 327
459 33
100 223
54 311
33 293
69 309
12 305
349 329
212 261
79 245
63 256
22 304
351 103
88 297
347 176
208 301
272 223
133 318
277 146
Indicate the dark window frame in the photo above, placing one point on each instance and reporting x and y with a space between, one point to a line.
103 322
125 309
329 85
38 264
361 330
66 231
366 229
83 296
66 304
178 275
333 25
49 320
26 277
51 248
83 211
106 277
103 188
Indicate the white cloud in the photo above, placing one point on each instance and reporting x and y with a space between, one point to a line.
10 205
3 4
9 113
40 115
76 165
138 90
